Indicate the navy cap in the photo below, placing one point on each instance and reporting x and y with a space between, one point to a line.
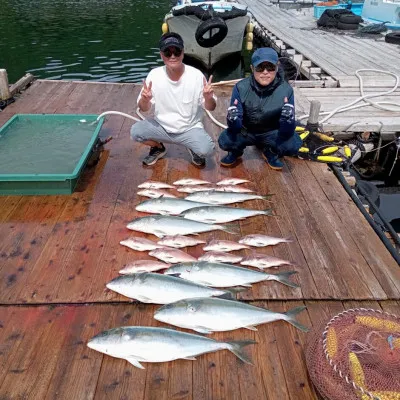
169 40
265 54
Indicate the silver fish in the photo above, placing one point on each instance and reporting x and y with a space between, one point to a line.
171 255
137 344
166 206
140 244
220 257
258 240
143 266
219 315
190 181
262 261
160 289
155 193
220 214
179 242
215 197
224 245
160 226
155 185
232 188
225 275
194 189
232 181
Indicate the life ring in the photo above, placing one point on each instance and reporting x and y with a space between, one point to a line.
392 37
210 25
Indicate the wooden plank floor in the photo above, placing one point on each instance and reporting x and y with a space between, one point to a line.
58 252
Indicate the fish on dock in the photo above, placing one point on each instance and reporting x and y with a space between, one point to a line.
190 181
258 240
137 344
172 256
162 225
194 189
156 193
220 257
208 315
231 181
215 197
143 266
166 206
155 185
263 261
178 241
225 275
140 244
234 189
154 288
224 245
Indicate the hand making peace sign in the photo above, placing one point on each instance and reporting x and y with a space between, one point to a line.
146 93
208 91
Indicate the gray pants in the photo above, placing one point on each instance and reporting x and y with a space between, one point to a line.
196 139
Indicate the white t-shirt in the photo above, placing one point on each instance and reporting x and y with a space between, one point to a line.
178 106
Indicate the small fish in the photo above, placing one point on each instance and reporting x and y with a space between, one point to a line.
262 261
234 189
190 181
156 193
231 181
162 225
207 315
179 242
258 240
137 344
155 185
172 256
143 266
224 245
194 189
166 206
140 244
219 214
219 256
214 197
225 275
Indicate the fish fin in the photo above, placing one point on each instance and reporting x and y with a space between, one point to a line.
227 296
230 294
291 318
143 299
252 328
236 347
134 362
283 277
159 234
176 275
267 197
201 329
230 228
190 358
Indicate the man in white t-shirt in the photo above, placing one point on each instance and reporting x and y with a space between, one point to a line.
179 94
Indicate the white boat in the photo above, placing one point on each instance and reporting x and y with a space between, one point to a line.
211 30
376 11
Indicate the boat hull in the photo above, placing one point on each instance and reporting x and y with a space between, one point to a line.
376 11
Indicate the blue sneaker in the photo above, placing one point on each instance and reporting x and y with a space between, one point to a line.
272 159
230 159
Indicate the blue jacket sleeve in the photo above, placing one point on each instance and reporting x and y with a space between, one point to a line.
287 122
235 126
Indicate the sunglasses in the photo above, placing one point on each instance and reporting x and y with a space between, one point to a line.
268 66
172 51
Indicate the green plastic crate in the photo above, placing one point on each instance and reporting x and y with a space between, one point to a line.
45 154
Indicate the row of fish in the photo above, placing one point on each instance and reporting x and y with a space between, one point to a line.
195 293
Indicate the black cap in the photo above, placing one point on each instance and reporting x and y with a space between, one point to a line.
171 39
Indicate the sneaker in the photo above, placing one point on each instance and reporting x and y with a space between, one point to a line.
272 159
230 159
196 159
155 153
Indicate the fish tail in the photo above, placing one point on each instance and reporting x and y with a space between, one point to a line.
283 277
291 318
267 197
230 228
269 211
237 348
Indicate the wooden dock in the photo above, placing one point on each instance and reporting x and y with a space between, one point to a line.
58 252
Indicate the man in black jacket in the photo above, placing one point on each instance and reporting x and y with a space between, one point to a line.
261 113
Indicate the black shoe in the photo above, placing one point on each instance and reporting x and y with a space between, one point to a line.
155 153
196 159
230 159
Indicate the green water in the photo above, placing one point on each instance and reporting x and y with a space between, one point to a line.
44 145
114 41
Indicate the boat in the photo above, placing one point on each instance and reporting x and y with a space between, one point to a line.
211 30
380 11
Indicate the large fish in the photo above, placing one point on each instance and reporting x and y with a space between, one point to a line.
137 344
190 181
223 245
172 256
166 206
225 275
215 197
220 257
140 244
178 241
155 185
160 289
143 266
219 315
231 181
220 214
155 193
162 225
258 240
262 261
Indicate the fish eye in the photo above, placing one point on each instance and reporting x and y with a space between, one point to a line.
191 308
